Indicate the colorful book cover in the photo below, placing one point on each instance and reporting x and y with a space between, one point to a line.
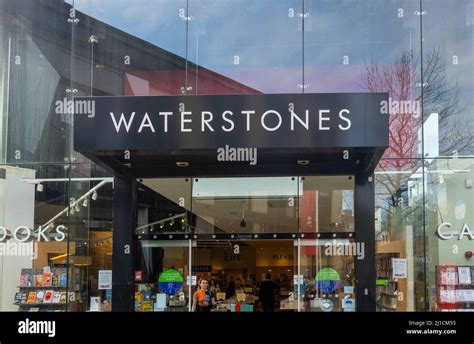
31 297
17 298
39 296
72 296
62 297
56 297
55 280
47 282
147 306
48 296
38 280
24 297
138 306
62 280
31 280
24 281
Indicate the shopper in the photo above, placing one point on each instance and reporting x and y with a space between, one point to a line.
268 289
203 299
213 287
230 292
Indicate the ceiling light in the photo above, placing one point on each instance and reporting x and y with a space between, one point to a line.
182 163
86 201
303 162
93 39
94 195
39 187
76 207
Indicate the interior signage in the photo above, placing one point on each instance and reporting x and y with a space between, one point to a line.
212 121
283 257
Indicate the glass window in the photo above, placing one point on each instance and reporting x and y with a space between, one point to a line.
245 46
245 205
399 233
326 204
448 48
449 199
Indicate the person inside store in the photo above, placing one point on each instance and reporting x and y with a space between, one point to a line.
203 299
214 288
268 289
230 292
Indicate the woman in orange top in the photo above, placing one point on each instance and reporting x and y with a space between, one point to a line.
203 298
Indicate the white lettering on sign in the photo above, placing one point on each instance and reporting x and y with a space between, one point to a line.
24 233
444 233
122 120
270 120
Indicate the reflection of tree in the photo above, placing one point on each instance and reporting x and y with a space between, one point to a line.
440 95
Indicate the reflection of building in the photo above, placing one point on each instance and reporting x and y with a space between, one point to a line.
41 69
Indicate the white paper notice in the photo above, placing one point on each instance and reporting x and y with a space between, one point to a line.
448 277
464 275
399 266
105 279
465 295
448 295
160 303
95 302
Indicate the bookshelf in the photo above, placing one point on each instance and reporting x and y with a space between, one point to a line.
43 289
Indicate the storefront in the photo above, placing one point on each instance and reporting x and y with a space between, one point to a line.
274 184
278 165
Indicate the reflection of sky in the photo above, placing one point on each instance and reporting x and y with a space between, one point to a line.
264 37
268 43
261 33
155 21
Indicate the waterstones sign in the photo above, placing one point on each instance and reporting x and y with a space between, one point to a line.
292 121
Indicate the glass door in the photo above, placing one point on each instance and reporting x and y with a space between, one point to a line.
326 250
328 280
163 264
161 284
244 275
